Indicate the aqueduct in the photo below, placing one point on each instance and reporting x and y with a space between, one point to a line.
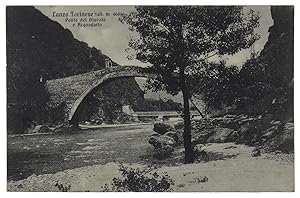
73 89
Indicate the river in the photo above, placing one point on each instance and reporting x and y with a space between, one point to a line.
41 154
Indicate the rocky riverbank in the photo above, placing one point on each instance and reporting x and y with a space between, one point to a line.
264 132
237 170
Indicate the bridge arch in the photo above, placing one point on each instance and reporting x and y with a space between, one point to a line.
109 75
73 90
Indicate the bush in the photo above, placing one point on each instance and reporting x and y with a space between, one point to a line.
56 113
63 188
136 180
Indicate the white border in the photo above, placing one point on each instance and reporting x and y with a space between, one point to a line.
135 2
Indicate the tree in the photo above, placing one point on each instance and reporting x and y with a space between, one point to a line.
218 86
178 40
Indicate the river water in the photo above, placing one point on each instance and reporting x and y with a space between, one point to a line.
41 154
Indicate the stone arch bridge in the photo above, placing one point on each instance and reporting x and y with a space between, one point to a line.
72 90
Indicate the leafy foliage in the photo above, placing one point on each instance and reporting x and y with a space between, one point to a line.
250 90
217 84
265 83
137 180
26 98
63 188
177 40
262 90
182 36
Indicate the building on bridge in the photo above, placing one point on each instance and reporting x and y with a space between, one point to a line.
127 109
108 63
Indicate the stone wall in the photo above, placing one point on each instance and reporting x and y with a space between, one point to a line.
73 89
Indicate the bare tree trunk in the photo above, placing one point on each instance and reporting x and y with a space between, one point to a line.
187 138
188 150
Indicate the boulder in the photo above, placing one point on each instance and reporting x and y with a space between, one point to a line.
88 123
166 140
230 122
222 134
163 145
244 128
199 125
161 141
241 117
268 133
154 134
162 128
153 140
197 148
283 140
219 135
233 137
202 137
163 152
66 129
200 154
41 129
230 116
277 122
179 125
175 135
256 152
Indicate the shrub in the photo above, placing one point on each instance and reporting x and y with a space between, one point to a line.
137 180
63 188
56 113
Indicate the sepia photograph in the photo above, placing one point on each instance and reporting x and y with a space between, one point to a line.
173 98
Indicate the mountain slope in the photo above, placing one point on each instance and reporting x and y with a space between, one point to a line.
39 49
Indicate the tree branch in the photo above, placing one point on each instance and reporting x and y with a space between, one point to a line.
207 57
161 25
192 101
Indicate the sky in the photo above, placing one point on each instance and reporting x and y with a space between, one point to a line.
112 37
